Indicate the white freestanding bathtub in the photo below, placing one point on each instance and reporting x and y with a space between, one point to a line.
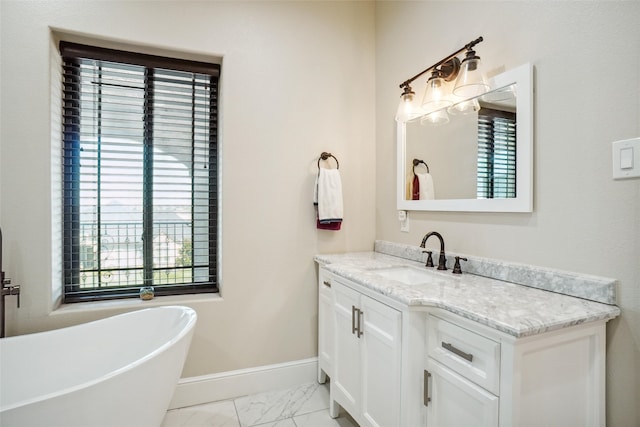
117 372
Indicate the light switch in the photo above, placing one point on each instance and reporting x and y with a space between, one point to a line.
626 158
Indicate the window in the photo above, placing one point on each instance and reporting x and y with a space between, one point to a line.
140 164
496 154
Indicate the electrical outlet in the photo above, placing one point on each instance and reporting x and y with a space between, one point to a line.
403 217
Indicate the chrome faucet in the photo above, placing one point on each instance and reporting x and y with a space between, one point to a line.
442 260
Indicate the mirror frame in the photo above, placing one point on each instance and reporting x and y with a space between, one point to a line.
522 76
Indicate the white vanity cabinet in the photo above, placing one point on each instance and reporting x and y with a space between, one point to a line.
367 352
462 376
459 351
479 376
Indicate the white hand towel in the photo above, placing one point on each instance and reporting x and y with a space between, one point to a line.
328 195
427 192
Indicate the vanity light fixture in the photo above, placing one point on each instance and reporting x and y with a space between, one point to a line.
470 81
438 94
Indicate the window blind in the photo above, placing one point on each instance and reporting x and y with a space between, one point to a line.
496 177
140 170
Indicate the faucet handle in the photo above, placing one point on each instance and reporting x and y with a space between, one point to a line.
456 267
429 258
9 289
16 291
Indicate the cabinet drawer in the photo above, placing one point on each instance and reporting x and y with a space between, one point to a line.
473 356
324 280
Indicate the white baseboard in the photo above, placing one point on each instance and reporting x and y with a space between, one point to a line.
228 385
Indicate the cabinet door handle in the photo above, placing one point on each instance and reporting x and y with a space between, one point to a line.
327 283
457 351
353 319
360 314
425 393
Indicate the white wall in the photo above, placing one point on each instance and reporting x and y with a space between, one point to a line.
587 93
293 85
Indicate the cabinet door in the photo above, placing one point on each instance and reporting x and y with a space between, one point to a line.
381 350
325 327
346 361
457 402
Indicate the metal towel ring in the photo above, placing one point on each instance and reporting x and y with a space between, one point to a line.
325 156
416 162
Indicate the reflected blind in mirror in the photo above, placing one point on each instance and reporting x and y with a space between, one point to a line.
496 175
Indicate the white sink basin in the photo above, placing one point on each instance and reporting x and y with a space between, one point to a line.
404 274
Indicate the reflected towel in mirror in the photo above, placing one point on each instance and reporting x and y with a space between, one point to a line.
420 187
426 190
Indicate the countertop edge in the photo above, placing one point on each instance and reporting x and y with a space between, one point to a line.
519 320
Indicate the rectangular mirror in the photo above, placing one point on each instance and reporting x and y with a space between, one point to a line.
480 160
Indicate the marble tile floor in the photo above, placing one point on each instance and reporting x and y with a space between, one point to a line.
306 405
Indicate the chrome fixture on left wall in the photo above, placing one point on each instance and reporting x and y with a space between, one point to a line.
7 289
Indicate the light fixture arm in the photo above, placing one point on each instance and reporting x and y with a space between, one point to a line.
468 46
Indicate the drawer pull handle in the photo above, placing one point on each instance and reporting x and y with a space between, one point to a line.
425 393
353 319
327 283
457 351
360 314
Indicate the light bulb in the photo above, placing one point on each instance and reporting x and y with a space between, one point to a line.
436 94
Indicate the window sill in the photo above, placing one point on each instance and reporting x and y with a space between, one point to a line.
135 303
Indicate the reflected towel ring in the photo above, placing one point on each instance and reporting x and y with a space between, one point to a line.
325 156
416 162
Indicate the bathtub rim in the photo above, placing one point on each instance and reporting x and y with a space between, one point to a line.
184 331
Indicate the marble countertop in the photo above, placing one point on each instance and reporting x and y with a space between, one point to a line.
512 308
